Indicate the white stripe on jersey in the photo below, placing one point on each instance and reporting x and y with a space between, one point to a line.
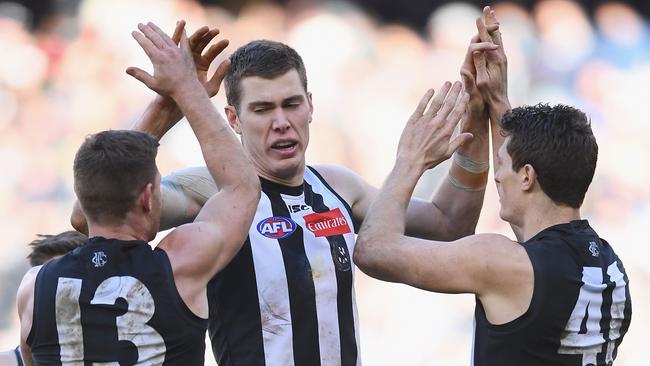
272 292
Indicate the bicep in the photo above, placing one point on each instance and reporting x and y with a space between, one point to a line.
231 213
202 248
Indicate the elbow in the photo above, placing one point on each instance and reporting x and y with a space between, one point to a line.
366 252
461 229
78 220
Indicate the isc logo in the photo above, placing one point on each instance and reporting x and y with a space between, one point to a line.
276 227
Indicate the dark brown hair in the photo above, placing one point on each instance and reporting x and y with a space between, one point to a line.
559 143
263 58
110 170
50 246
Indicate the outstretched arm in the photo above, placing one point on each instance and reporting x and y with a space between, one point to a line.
200 249
488 265
454 210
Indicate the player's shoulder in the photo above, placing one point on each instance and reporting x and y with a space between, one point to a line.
338 176
494 243
344 181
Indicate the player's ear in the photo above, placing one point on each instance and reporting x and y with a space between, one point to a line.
311 105
146 197
233 119
528 177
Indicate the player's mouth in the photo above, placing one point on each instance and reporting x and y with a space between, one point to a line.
286 148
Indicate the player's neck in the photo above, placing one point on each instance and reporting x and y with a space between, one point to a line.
291 181
126 230
546 214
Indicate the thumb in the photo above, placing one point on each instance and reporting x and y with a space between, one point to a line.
180 26
469 82
185 43
459 141
142 76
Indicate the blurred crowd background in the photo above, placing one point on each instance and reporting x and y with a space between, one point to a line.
368 62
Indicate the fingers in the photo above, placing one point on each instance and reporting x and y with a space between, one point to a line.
457 113
482 46
215 50
438 100
195 38
492 25
449 102
142 76
217 78
163 36
176 37
482 76
151 35
205 40
419 110
146 44
482 31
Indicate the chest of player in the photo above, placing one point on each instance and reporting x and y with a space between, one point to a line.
303 232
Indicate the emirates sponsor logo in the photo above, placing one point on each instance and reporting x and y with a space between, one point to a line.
327 223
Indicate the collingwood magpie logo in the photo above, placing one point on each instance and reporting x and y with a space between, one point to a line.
99 259
593 248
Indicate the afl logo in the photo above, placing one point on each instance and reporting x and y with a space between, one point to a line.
276 227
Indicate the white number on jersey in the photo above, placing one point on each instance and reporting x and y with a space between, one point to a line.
588 310
131 326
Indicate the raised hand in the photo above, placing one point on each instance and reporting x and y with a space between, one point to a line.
426 139
198 41
476 106
491 65
173 65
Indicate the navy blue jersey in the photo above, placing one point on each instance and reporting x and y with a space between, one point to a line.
114 302
579 312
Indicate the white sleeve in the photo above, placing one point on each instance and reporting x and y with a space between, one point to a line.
184 192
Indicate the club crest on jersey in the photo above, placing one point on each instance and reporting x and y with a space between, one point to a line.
327 223
593 248
99 259
276 227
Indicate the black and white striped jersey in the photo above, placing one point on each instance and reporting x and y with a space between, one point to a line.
579 312
287 298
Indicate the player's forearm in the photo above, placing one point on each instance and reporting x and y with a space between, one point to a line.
159 116
223 153
460 196
385 222
497 109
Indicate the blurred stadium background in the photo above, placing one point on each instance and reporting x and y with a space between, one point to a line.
368 62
